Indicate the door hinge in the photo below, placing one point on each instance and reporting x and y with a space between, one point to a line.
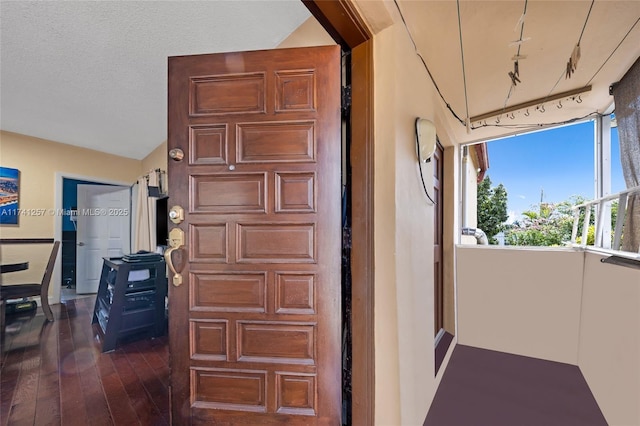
346 99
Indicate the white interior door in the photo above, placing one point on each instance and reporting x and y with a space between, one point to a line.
104 229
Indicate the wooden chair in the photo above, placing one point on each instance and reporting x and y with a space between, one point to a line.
19 291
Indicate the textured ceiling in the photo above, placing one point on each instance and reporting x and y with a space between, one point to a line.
94 73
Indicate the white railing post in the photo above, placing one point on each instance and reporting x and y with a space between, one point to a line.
585 224
622 210
576 219
597 236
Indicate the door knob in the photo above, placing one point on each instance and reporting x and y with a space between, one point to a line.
176 154
176 214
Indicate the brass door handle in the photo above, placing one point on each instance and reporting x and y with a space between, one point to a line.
176 241
177 278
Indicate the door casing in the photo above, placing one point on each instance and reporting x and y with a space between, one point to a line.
344 23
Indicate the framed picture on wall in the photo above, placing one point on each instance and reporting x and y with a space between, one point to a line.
9 196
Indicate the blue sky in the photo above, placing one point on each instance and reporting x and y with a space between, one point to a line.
557 162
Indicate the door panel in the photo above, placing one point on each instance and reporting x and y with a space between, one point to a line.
103 231
255 328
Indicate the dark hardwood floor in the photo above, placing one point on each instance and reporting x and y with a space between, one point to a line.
55 373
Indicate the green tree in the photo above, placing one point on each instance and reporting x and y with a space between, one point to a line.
548 224
551 224
492 208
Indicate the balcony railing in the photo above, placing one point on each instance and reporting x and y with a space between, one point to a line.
601 229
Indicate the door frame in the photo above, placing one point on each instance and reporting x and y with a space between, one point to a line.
438 213
343 22
57 222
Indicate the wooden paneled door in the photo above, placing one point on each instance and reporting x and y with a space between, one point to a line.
255 326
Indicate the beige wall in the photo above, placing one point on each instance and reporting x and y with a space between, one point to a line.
387 383
310 33
609 350
469 193
404 314
520 301
38 161
469 190
157 159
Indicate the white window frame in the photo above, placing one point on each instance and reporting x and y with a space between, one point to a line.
602 167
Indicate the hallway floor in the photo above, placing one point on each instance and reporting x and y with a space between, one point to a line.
488 388
70 294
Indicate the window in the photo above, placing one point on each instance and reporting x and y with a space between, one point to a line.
544 174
